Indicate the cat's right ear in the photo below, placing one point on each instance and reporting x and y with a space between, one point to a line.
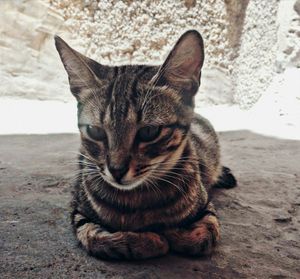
82 79
182 68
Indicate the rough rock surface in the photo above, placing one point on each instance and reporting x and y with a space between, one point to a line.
260 218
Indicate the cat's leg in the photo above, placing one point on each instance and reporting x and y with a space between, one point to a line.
226 179
118 245
197 239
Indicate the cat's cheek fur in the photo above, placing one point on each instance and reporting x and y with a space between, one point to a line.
95 150
133 177
163 147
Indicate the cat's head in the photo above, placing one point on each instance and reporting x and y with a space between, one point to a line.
134 119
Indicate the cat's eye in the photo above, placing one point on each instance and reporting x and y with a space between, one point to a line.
148 133
96 133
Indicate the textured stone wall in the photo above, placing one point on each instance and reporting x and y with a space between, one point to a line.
253 66
288 50
29 66
120 32
143 31
246 41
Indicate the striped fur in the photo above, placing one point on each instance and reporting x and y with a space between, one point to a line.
134 198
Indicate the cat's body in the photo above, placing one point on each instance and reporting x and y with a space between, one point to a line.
147 160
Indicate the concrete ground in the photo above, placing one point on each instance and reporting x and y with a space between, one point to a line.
260 218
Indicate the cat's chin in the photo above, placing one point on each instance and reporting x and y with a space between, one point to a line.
126 186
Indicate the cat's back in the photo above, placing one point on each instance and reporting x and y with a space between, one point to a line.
204 140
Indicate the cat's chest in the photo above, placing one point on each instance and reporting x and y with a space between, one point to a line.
151 219
149 213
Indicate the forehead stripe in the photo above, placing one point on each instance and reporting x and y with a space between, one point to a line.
108 97
138 77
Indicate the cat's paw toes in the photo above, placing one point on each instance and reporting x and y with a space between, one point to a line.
147 245
128 246
198 240
108 247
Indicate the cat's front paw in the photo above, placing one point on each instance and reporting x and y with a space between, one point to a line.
147 245
197 240
128 245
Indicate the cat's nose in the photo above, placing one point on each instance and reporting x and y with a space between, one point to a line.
118 172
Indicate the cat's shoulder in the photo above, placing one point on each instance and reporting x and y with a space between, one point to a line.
202 123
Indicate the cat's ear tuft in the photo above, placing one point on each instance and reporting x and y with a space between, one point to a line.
182 68
81 77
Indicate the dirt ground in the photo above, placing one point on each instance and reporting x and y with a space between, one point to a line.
260 218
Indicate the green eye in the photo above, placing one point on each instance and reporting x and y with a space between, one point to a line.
96 133
148 133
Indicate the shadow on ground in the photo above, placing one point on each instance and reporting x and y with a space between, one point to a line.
260 218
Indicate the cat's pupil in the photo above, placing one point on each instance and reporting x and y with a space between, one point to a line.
149 133
96 133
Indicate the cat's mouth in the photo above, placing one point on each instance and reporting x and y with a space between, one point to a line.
141 175
123 184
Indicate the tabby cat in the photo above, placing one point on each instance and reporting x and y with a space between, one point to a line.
146 159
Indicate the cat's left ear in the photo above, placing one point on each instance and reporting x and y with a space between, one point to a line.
182 68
